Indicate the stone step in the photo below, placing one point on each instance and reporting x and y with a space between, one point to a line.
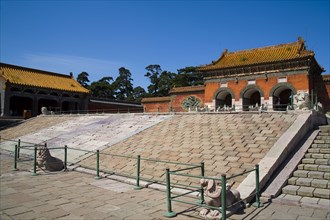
314 167
315 161
325 128
319 150
323 137
321 145
316 183
312 174
317 156
324 133
321 141
306 191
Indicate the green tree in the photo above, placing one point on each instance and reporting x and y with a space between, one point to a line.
102 88
153 72
160 81
123 85
188 77
82 78
165 83
139 93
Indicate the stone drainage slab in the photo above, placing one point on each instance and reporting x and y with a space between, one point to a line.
112 185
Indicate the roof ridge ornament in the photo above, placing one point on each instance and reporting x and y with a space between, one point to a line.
301 43
222 55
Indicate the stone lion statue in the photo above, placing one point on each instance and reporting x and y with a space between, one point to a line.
48 162
301 101
213 193
45 111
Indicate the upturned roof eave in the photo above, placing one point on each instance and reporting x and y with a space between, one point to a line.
202 70
46 87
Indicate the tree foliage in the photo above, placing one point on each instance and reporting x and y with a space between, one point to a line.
139 93
82 78
161 82
188 77
123 85
153 72
102 88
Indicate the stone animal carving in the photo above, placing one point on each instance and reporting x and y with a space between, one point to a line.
45 111
47 161
213 192
301 101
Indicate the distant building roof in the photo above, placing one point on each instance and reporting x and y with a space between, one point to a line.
114 102
262 55
157 99
187 89
326 77
38 78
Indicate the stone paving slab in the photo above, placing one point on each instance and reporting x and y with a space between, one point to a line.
226 143
74 195
80 132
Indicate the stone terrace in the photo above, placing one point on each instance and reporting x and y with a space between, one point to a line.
32 125
89 132
227 143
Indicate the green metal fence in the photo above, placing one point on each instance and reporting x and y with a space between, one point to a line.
138 159
178 172
201 203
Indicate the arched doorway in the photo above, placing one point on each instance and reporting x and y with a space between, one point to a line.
251 96
282 96
223 98
18 104
69 107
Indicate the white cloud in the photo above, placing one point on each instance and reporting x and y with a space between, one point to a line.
96 68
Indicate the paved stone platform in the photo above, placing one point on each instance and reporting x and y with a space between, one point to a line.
74 195
84 132
226 143
33 125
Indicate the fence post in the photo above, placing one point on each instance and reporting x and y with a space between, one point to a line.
138 160
316 107
15 159
18 147
201 201
65 157
35 162
169 213
97 165
223 196
257 204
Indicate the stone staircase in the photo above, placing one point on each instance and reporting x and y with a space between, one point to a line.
312 178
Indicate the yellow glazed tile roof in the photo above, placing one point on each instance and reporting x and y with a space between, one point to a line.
261 55
326 77
38 78
187 89
157 99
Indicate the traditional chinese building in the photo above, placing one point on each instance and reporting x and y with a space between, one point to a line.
27 90
267 76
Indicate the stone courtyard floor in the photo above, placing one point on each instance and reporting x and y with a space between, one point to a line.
75 195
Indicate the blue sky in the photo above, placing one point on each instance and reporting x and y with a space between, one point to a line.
99 37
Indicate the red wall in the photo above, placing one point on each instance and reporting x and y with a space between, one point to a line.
176 103
157 106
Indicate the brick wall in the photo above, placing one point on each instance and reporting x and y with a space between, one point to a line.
210 89
180 97
298 81
157 106
322 90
